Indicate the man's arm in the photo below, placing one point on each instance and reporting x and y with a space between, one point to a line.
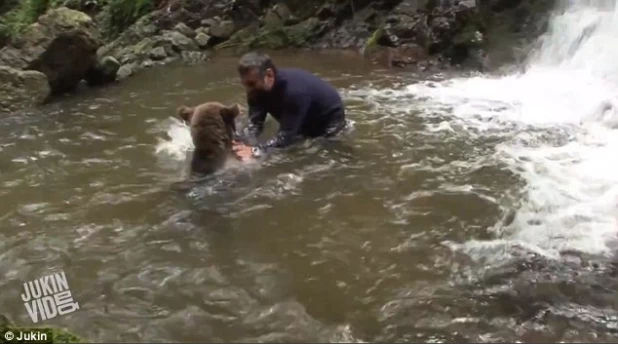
257 116
294 114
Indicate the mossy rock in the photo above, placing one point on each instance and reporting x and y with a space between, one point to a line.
237 39
278 38
372 43
469 36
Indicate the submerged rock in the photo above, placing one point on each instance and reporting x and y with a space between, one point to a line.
62 44
401 56
22 89
194 57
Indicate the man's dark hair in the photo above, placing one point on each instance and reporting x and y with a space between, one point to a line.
255 60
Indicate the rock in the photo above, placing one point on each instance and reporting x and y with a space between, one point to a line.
222 30
22 89
158 54
277 16
501 5
327 11
185 30
62 44
245 12
157 49
127 55
144 49
450 30
191 12
136 33
352 33
179 41
147 64
202 40
401 56
297 35
292 20
203 30
103 72
208 22
124 72
240 39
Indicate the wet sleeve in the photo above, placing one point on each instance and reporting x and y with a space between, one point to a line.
294 114
257 116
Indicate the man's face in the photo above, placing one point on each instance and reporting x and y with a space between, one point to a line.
255 84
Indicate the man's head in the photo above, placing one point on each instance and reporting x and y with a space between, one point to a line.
257 72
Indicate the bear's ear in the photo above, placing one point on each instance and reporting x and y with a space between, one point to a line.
185 113
231 112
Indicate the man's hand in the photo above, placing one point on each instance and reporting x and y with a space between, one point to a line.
242 151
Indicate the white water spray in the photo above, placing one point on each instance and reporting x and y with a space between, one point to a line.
178 141
569 90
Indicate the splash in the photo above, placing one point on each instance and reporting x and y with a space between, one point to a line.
178 141
558 120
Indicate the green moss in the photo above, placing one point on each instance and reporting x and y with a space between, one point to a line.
16 20
123 13
372 41
25 12
275 38
63 336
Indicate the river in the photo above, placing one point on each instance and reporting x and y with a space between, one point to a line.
474 208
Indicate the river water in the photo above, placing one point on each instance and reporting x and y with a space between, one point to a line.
456 208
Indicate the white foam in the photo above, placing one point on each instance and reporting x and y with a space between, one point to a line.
178 141
569 90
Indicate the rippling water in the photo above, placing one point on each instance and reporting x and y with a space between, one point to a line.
455 209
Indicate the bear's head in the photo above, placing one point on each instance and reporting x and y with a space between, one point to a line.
212 125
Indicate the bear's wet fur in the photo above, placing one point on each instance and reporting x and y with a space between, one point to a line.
212 129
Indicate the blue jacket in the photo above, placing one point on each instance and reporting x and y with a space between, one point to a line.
301 102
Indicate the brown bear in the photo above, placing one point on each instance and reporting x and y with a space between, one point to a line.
212 129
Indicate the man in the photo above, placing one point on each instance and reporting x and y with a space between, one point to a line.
304 105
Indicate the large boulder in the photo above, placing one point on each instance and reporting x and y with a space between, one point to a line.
143 28
513 27
245 12
21 89
454 31
62 44
297 36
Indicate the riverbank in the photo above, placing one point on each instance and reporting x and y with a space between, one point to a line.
98 43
